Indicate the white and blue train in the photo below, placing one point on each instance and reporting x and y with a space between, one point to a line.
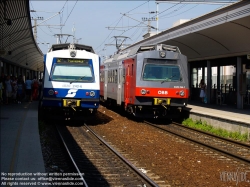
71 83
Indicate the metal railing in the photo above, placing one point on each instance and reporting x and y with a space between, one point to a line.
224 94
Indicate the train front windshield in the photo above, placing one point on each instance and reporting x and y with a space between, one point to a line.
72 72
155 70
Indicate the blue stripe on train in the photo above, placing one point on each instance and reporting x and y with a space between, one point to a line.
71 93
56 100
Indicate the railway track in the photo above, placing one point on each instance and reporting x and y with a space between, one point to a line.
100 163
229 148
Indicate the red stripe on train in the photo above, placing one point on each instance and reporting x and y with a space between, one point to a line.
162 92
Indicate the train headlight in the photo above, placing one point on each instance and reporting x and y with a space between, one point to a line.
143 91
92 93
51 92
162 54
182 93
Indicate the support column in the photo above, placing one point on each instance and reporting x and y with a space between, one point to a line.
209 82
203 74
14 71
21 71
18 71
197 78
4 68
218 78
8 69
1 65
238 73
11 70
189 79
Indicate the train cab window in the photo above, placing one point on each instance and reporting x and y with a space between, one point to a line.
161 72
69 72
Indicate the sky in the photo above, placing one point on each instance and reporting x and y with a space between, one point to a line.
95 23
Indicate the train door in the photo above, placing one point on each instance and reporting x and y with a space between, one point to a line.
119 86
127 84
106 85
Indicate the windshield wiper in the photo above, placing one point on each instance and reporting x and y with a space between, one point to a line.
167 79
77 80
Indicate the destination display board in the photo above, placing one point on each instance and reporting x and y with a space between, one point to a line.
72 60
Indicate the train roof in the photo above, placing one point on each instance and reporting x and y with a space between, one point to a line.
66 46
140 49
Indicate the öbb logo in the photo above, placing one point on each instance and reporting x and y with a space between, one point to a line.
162 92
71 93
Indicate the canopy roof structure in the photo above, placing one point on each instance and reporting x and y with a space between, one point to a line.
219 34
17 43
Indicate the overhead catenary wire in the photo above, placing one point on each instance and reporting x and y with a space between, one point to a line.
154 16
49 28
70 12
108 36
163 17
180 2
45 21
117 24
174 11
61 15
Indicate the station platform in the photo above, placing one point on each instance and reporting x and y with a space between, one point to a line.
21 154
222 116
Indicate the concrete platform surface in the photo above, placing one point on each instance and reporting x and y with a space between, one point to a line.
221 116
21 155
221 111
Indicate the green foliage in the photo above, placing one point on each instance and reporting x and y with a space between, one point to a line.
202 125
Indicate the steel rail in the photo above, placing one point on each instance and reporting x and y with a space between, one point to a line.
72 159
151 182
201 143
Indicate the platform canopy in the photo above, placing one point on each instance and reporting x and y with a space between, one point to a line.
17 44
218 34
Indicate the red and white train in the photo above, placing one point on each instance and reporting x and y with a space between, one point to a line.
148 81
